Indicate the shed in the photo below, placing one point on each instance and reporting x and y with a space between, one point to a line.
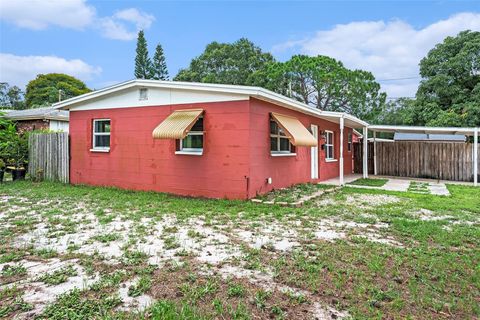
49 118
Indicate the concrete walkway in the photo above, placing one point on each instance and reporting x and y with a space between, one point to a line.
395 184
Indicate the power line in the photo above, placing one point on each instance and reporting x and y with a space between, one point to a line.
396 98
396 79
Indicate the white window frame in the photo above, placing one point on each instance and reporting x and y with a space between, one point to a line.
280 153
349 141
329 157
94 134
191 151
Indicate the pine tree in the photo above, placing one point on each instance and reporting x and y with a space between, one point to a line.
159 66
143 64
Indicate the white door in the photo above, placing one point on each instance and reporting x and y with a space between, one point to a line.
314 153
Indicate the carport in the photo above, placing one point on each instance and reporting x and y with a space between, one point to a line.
448 153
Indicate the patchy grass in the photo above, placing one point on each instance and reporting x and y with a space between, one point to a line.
418 187
81 305
142 286
13 270
235 290
58 276
165 309
363 253
369 182
294 193
11 302
107 237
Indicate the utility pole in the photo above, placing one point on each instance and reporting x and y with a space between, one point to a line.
60 91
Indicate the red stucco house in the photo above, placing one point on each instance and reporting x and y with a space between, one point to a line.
209 140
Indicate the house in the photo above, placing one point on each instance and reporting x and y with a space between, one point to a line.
399 136
207 140
49 118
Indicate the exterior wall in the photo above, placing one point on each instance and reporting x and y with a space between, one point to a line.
137 161
56 125
288 170
30 125
236 160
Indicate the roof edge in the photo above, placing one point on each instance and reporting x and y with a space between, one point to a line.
256 92
419 129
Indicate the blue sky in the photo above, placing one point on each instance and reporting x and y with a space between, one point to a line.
95 40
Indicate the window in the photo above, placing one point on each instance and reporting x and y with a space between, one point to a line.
143 94
193 142
349 142
329 153
101 134
279 143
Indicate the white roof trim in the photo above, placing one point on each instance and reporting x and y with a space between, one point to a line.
24 118
256 92
416 129
358 134
380 140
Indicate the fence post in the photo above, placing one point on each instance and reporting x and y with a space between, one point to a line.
341 151
365 152
475 157
374 152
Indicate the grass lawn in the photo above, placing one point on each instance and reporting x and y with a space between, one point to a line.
89 252
369 182
418 187
294 193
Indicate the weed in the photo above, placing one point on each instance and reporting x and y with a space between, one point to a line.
261 297
134 257
106 237
235 290
194 234
13 270
143 285
58 276
45 253
171 243
11 301
76 305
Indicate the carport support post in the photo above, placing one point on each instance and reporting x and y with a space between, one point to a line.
375 152
365 151
475 157
341 151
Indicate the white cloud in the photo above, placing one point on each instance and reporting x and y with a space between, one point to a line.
390 50
40 14
119 27
18 70
73 14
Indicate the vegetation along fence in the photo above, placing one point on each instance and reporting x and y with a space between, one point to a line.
435 160
48 155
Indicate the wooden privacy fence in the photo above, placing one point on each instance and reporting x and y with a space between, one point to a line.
48 155
434 160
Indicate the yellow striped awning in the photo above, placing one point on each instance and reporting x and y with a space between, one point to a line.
295 131
177 124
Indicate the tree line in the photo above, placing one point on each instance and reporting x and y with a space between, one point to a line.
448 94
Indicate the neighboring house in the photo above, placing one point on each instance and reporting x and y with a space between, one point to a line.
209 140
398 136
40 118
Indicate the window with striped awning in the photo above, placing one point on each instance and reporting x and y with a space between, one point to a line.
177 125
295 130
